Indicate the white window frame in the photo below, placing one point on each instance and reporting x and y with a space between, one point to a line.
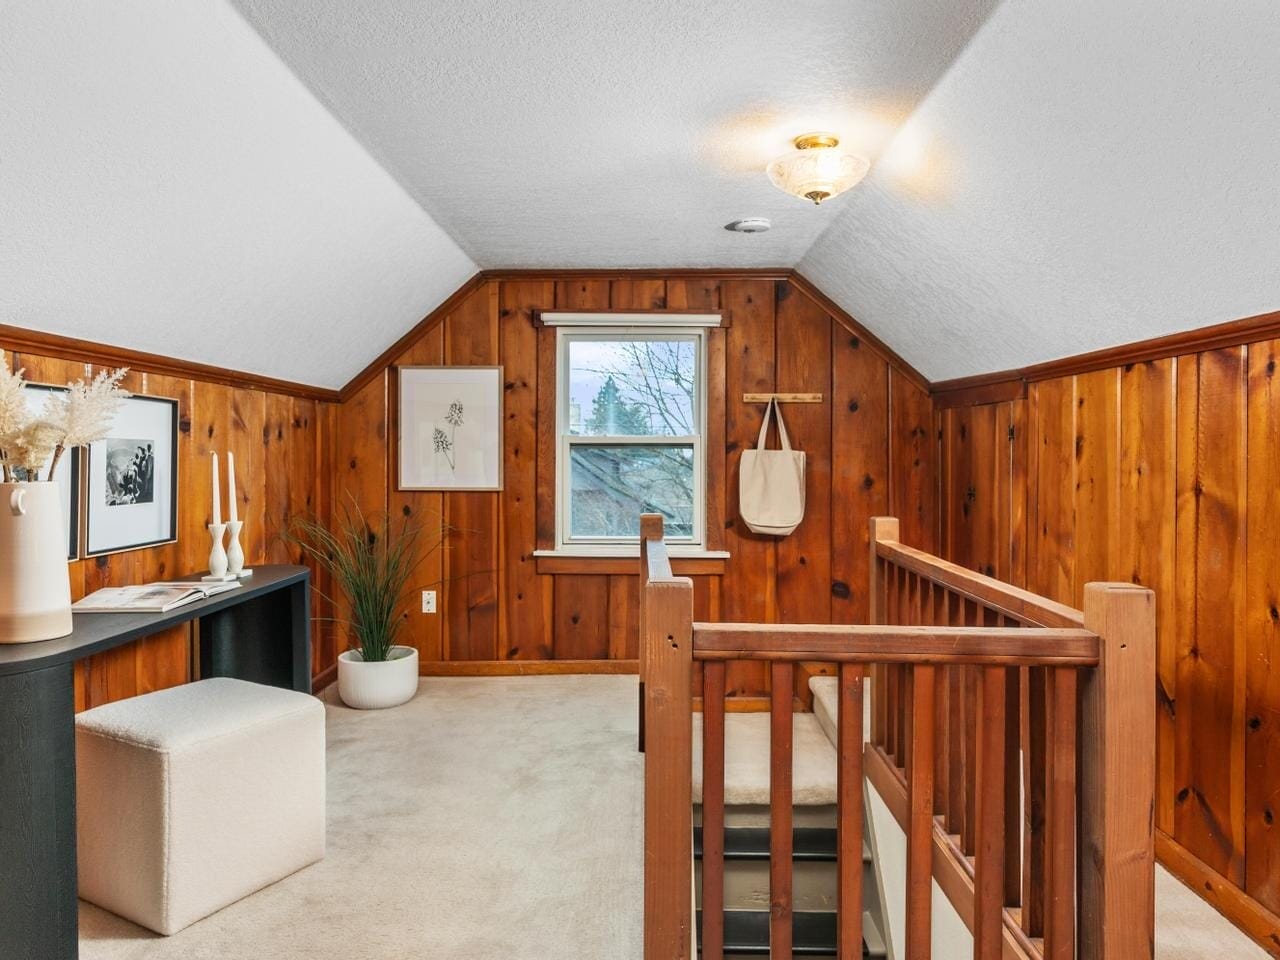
603 327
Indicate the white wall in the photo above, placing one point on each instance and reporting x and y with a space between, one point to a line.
1086 174
950 938
166 184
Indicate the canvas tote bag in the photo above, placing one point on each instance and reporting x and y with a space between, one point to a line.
771 482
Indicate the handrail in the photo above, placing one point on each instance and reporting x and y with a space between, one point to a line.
983 694
843 643
1011 601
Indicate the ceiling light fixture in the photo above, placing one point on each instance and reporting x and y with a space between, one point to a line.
818 170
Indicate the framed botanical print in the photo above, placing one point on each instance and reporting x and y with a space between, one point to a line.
66 475
450 428
131 488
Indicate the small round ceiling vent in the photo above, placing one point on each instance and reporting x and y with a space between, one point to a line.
749 225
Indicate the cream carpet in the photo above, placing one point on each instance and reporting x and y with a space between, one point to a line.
496 819
487 819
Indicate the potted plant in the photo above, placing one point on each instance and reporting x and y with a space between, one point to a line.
35 589
371 566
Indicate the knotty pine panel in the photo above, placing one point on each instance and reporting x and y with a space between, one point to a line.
1262 628
274 473
803 365
860 478
1165 473
493 603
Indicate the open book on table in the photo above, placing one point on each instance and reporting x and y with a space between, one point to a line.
158 597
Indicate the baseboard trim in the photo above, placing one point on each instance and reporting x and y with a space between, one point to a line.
324 678
1251 917
524 668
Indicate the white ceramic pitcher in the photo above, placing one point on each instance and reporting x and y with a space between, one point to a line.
35 588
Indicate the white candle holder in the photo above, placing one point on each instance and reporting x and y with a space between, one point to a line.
235 555
217 555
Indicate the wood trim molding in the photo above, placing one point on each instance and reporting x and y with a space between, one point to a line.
324 678
1233 333
523 668
837 313
436 316
601 273
1260 924
21 340
620 566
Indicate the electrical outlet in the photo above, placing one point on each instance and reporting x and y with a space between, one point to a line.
428 601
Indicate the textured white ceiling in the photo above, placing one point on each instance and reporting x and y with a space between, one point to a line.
614 133
166 184
1087 174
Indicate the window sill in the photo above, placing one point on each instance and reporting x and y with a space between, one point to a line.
685 562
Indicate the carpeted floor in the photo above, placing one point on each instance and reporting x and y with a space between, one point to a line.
491 819
487 819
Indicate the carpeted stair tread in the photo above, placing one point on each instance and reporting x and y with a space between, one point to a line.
747 760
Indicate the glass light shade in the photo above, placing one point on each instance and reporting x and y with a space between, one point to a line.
817 173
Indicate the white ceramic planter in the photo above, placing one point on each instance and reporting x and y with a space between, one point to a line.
35 589
374 686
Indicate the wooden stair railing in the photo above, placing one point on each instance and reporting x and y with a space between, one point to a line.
982 694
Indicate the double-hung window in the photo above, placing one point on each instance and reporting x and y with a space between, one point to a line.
631 417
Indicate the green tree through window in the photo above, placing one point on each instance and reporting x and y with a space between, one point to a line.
614 417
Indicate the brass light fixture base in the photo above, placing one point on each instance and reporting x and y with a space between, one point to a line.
810 140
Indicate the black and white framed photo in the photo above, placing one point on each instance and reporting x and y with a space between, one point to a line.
131 489
450 428
66 475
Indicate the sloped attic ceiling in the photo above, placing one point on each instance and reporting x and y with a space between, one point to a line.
614 133
1079 175
1087 174
166 184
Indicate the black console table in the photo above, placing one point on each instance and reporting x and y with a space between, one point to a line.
259 632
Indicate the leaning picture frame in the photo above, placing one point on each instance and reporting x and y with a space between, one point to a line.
449 428
130 485
67 473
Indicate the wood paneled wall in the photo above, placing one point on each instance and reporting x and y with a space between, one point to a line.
504 610
1164 473
278 442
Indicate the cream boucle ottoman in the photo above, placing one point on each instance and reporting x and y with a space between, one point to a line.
191 798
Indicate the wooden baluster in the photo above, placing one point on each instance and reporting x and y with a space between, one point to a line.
920 816
780 801
668 786
849 811
989 863
713 810
1012 789
969 691
942 742
881 528
893 689
1034 732
1060 832
956 726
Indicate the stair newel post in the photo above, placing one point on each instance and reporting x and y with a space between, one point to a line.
668 788
1117 777
882 528
650 530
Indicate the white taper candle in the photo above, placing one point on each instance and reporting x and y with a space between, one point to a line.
217 494
231 485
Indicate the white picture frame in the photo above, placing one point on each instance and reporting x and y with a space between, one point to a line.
67 474
119 513
449 428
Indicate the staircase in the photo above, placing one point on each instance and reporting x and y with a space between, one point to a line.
746 842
